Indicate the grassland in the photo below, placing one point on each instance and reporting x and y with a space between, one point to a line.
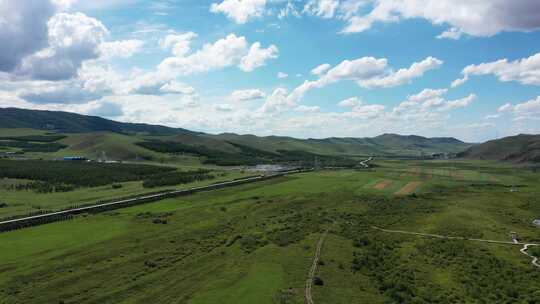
254 243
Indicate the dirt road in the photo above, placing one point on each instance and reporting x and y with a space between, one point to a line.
313 269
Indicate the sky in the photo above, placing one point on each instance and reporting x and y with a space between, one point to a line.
469 69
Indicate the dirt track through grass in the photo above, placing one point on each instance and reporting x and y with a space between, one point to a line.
408 188
313 269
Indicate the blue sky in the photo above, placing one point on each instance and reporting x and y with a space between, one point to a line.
426 67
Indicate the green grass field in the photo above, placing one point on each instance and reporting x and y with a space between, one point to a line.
255 243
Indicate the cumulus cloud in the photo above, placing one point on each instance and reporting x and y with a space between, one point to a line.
402 76
321 69
120 48
482 18
429 100
529 110
247 95
229 51
524 71
322 8
179 44
278 101
257 57
241 11
73 39
23 30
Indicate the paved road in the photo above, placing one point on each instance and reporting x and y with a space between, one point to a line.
514 242
313 269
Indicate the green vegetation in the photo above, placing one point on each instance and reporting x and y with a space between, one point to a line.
32 147
177 178
519 149
255 243
247 155
77 173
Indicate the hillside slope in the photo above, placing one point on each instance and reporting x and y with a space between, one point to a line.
74 123
520 148
90 135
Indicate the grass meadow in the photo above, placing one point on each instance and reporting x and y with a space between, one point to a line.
254 243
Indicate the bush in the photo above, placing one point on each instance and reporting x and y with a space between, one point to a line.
3 205
318 281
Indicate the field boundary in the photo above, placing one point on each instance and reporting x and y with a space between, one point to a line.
46 218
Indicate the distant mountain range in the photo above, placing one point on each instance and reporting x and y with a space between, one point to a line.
519 149
89 134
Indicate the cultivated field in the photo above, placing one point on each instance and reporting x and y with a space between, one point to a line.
255 243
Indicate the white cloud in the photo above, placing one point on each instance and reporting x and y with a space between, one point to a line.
307 109
402 76
278 101
321 69
482 18
322 8
453 33
428 100
524 71
350 102
288 10
257 57
176 87
179 44
241 11
367 72
529 110
247 95
73 39
229 51
282 75
120 48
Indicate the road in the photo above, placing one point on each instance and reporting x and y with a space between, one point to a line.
365 162
514 242
313 269
534 258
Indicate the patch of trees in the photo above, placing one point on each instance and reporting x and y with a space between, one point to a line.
43 187
78 174
176 178
33 147
35 138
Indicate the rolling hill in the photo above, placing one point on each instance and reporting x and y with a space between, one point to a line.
66 122
91 136
519 149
